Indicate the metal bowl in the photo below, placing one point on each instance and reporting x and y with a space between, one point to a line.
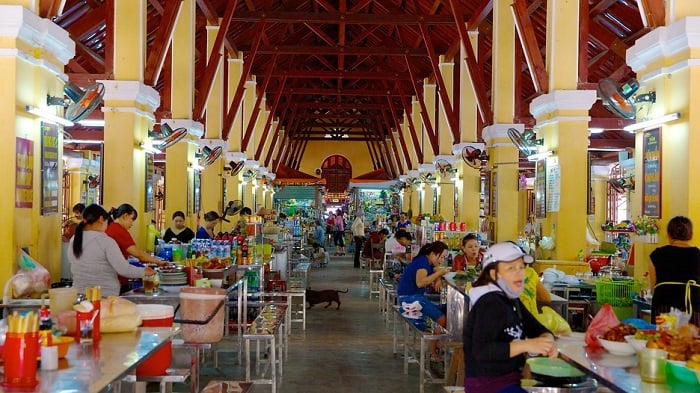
589 385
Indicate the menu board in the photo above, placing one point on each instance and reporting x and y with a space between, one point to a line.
49 168
553 186
150 171
651 190
24 173
487 193
540 189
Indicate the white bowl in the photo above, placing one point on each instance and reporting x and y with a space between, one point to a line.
617 348
636 343
216 282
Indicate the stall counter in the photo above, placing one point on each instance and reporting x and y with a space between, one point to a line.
92 368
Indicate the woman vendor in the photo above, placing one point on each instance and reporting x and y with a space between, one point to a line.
96 259
178 231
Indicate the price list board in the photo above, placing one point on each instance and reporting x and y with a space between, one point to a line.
651 190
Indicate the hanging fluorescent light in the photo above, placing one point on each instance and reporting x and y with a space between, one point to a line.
149 149
642 125
92 123
49 117
540 155
596 130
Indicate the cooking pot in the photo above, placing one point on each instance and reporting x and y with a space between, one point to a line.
596 262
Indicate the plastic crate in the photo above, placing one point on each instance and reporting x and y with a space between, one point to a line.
617 293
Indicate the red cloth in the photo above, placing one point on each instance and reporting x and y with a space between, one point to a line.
459 263
124 241
121 236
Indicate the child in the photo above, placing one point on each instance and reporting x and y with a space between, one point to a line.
499 330
318 254
470 254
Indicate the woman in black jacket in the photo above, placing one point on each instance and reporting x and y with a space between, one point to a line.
499 330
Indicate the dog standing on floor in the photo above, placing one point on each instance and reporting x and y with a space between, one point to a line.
326 295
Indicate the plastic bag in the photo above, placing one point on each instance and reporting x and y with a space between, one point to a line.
603 321
553 321
31 279
118 315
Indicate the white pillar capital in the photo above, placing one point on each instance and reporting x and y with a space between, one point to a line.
646 56
494 132
145 97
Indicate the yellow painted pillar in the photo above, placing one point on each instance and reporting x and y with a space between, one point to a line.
665 61
212 184
249 98
503 156
563 119
128 112
233 183
35 51
178 173
503 179
446 191
406 132
468 180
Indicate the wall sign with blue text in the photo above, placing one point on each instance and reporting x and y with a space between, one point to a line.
651 184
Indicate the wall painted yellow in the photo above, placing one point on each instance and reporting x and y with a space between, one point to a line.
355 152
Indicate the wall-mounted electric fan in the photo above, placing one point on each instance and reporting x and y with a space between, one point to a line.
93 181
236 167
525 142
168 136
473 156
233 207
444 166
427 178
249 174
80 103
620 100
209 155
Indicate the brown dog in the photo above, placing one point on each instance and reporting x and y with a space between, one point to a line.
327 295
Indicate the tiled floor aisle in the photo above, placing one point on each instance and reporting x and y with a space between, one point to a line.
348 350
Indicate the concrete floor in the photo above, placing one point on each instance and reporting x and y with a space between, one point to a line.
346 350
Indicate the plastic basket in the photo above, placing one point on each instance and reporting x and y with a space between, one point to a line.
617 293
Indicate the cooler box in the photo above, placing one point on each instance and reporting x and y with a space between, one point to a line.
156 315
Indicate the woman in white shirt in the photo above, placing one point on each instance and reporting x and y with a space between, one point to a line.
358 236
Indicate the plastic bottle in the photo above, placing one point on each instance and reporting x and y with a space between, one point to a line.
45 326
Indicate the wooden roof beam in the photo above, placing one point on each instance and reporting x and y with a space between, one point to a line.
238 95
256 109
161 43
452 119
414 134
207 80
347 18
531 50
475 72
432 134
273 110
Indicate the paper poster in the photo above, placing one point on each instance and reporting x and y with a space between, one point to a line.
24 173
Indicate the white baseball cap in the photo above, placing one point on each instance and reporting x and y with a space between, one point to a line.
504 252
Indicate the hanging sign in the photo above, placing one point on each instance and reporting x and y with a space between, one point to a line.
553 185
651 190
540 189
150 171
24 173
49 168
